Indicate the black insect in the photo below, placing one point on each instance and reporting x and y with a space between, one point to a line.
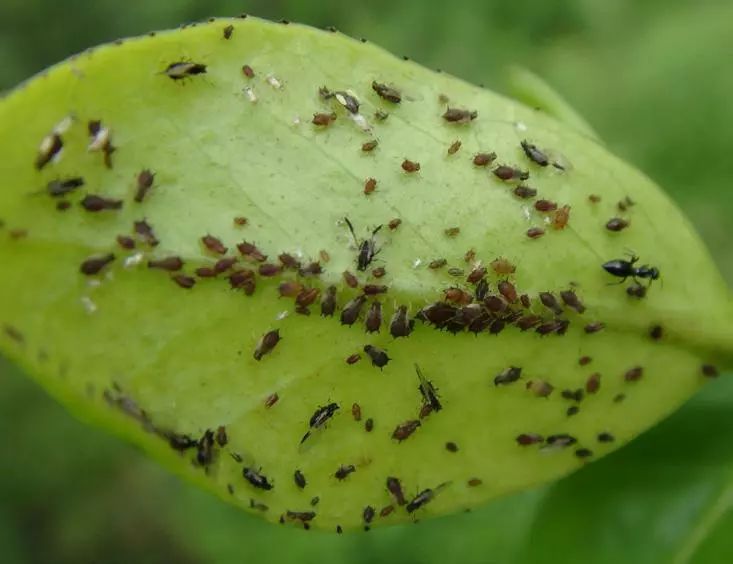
395 488
423 498
373 320
367 248
205 448
352 309
302 516
405 429
266 343
368 515
508 375
428 391
320 417
343 471
256 479
534 154
401 325
299 479
328 302
58 187
625 269
93 265
379 356
181 70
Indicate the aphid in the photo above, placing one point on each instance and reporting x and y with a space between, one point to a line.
266 343
339 530
100 141
299 479
370 185
572 410
476 274
656 332
394 223
482 289
353 358
14 334
394 487
145 231
249 250
456 115
302 516
540 388
204 448
205 272
507 376
315 500
457 296
242 280
356 411
450 446
584 360
616 224
455 271
386 92
320 417
405 429
561 440
438 314
524 298
594 198
256 479
428 391
328 302
550 302
502 266
524 192
634 374
268 270
473 482
507 173
352 309
535 232
49 149
63 205
93 265
507 290
378 356
380 115
484 159
126 242
368 515
594 327
618 398
221 436
373 319
605 437
571 300
343 471
470 255
145 180
437 263
583 453
526 439
452 231
248 71
636 290
271 400
527 322
453 149
323 120
93 203
367 248
369 425
421 499
288 261
224 264
709 371
227 31
213 244
374 289
495 304
171 264
369 146
545 206
186 282
386 510
57 188
348 101
379 272
236 457
497 326
625 268
401 325
534 154
181 70
410 166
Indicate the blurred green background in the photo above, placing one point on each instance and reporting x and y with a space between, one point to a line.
654 78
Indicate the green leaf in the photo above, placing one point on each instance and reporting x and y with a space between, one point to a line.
141 352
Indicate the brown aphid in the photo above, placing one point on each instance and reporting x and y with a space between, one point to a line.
634 374
307 296
221 436
204 448
288 261
266 343
560 218
93 265
497 326
540 388
709 371
526 439
373 319
63 205
241 279
352 309
550 302
240 221
509 173
50 147
526 302
605 437
271 400
227 31
323 119
379 272
535 232
456 115
437 263
378 356
502 266
145 180
185 282
353 359
476 274
507 376
534 154
636 291
269 269
350 279
394 487
126 242
386 92
311 269
594 327
473 482
369 425
213 244
593 383
343 471
369 146
94 203
386 510
594 198
183 69
248 71
584 360
394 223
400 325
404 430
410 166
374 289
545 205
57 188
527 322
524 192
450 446
302 516
249 250
224 264
438 314
470 255
484 159
328 302
495 304
571 300
145 231
507 290
457 296
656 332
455 146
356 411
370 185
452 231
172 264
616 224
205 272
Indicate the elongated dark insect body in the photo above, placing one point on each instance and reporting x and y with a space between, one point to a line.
352 309
320 417
367 248
184 69
534 154
405 429
378 356
428 391
266 343
401 325
61 187
328 302
94 265
256 479
624 269
386 92
395 488
343 471
508 375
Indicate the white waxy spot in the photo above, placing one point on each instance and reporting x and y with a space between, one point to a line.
296 120
273 81
94 283
250 93
133 260
547 220
64 125
520 125
282 315
361 122
100 140
89 306
416 263
527 213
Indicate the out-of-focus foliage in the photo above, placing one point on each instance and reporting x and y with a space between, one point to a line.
653 78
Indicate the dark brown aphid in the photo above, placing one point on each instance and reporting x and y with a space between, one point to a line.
526 322
508 173
93 203
205 272
328 302
497 326
618 398
584 360
535 232
386 92
302 516
394 487
526 439
421 499
524 192
185 282
404 430
172 264
386 510
311 269
507 376
369 146
495 304
571 300
352 309
266 343
709 371
126 242
367 248
320 417
394 223
636 290
51 146
656 332
57 188
323 119
374 289
438 314
450 446
560 218
315 500
410 166
476 274
453 149
248 71
249 250
353 358
243 280
369 425
456 115
271 400
224 264
368 515
558 326
572 410
583 453
227 31
213 244
524 299
452 231
594 327
473 482
634 374
534 154
221 436
343 471
145 180
181 70
339 530
428 392
299 479
540 388
379 272
507 290
289 261
204 448
370 185
373 319
356 411
484 159
545 206
625 204
401 325
605 437
437 263
616 224
550 302
145 231
482 289
93 265
594 198
378 356
256 479
269 270
63 205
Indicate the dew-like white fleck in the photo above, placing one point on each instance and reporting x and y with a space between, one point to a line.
416 263
63 126
100 140
282 315
546 219
361 122
296 120
250 93
89 306
520 125
94 283
132 260
527 213
273 81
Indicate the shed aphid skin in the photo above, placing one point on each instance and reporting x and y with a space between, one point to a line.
271 400
617 224
367 247
351 311
457 115
428 392
540 388
94 203
507 376
145 180
452 231
387 92
266 343
184 69
394 487
405 429
625 269
378 356
356 411
370 185
320 417
454 147
343 471
145 231
257 479
410 166
61 187
534 154
348 101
